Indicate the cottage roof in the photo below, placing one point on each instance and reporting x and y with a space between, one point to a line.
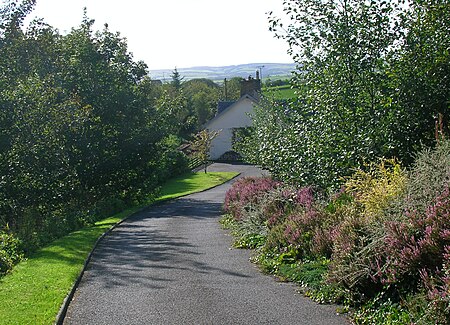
221 106
220 113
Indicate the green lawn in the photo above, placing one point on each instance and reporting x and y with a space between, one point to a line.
35 290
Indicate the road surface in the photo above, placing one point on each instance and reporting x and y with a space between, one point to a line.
173 264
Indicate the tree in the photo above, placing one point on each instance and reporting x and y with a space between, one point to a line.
80 133
203 95
343 116
177 79
423 71
372 77
201 145
233 89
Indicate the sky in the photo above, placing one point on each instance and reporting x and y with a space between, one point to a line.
179 33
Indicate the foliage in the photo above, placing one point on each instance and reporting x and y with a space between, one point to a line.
177 79
10 252
203 95
201 145
403 251
81 134
375 188
371 79
422 72
232 89
429 175
185 106
382 310
246 192
384 235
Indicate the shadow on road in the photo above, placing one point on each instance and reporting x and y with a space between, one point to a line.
141 252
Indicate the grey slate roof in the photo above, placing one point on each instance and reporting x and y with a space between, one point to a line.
221 106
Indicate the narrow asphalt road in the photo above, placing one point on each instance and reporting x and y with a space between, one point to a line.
172 264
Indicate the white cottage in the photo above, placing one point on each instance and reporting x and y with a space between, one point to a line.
233 115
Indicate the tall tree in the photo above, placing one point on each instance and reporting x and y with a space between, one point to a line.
203 95
177 79
372 78
342 50
79 130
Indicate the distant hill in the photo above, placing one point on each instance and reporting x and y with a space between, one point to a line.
269 70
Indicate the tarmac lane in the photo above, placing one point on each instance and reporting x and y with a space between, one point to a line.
173 264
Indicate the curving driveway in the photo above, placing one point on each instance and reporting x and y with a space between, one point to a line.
172 264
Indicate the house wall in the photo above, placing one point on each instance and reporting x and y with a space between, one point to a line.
236 116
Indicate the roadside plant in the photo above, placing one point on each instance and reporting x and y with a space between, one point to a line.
201 145
357 237
417 246
376 186
10 252
403 252
245 193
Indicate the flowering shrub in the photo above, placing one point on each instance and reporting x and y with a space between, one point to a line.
364 199
306 228
385 236
438 292
401 246
419 243
354 246
247 191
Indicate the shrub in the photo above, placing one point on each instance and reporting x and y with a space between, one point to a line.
10 252
400 247
306 230
256 219
427 178
437 290
418 244
245 192
377 187
355 244
386 235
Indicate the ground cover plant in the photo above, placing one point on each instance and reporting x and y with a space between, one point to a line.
380 245
34 291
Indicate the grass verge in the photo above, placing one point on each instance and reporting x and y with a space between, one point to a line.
35 290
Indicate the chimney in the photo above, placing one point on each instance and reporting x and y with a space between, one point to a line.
251 86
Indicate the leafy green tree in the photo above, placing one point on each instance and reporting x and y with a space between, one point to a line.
342 50
372 77
201 145
203 95
233 89
422 74
80 130
176 113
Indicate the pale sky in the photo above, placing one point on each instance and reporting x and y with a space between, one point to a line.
180 33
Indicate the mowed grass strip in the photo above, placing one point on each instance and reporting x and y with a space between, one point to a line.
34 291
197 182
